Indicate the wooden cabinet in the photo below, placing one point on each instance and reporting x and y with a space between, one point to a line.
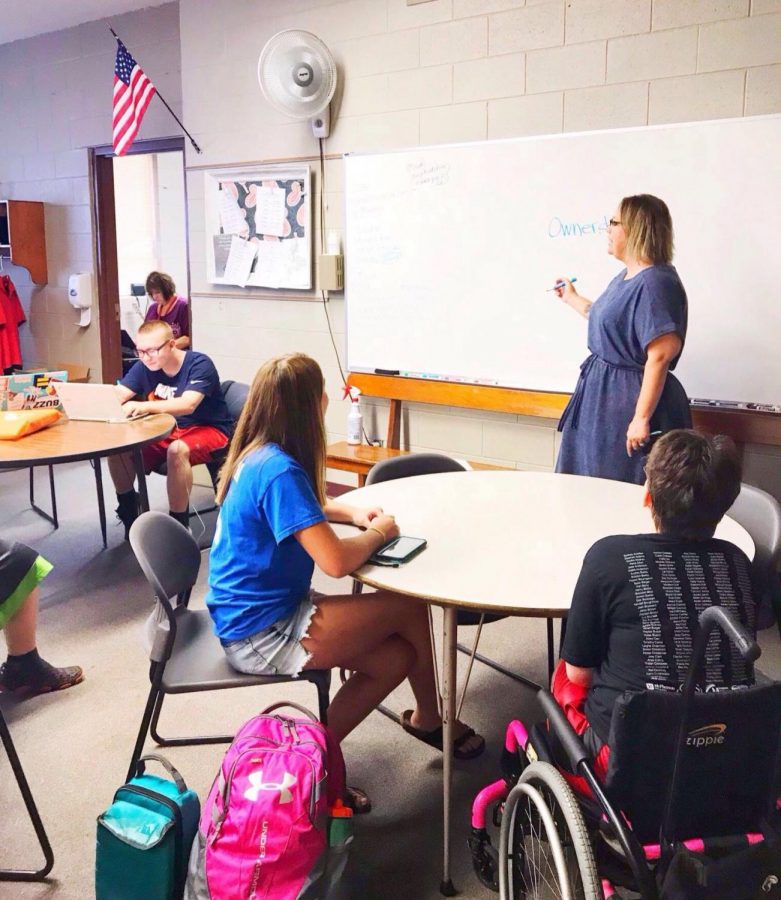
23 237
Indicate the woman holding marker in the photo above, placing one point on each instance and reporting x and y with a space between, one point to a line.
636 332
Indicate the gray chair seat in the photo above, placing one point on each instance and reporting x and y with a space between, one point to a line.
198 662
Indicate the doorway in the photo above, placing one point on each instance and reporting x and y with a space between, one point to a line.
141 226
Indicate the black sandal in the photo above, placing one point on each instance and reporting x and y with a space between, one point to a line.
434 738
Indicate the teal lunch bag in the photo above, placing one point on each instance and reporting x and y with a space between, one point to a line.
144 837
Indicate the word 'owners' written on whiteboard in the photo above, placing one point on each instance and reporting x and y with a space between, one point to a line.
258 230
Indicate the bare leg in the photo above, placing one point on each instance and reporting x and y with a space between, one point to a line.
180 476
382 637
20 629
122 472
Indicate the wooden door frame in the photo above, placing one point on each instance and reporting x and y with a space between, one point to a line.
105 229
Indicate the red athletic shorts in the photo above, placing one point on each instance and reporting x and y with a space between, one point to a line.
571 698
202 440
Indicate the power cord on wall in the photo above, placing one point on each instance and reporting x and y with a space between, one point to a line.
322 293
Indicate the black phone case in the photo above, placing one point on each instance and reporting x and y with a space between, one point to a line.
395 563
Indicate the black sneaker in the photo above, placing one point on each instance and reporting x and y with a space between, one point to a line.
128 510
43 678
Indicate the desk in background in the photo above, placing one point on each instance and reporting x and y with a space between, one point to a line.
70 441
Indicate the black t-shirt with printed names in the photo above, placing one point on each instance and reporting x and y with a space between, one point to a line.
635 609
197 373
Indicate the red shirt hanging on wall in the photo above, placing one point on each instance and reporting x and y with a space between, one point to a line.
11 317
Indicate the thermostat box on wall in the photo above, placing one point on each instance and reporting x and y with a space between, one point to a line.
330 272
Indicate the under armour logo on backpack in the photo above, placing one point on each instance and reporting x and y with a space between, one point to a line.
256 780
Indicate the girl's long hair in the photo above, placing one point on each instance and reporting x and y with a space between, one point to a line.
284 407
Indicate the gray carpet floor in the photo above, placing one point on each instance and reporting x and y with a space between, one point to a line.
75 746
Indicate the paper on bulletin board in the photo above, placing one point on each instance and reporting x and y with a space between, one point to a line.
281 264
267 207
239 262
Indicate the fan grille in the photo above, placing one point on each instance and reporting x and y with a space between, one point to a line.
297 73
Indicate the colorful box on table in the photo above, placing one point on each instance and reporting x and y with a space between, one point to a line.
30 390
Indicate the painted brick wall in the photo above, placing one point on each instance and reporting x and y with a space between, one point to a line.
55 101
452 70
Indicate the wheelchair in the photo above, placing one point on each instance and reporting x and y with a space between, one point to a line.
689 808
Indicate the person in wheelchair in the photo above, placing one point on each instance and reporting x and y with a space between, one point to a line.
638 597
657 769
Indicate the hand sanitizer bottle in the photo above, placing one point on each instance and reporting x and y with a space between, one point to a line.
354 417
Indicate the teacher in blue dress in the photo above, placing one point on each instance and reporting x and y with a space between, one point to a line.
636 332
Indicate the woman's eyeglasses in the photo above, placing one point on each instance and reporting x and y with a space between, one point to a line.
152 352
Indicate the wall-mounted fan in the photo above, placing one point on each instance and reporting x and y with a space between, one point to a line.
297 75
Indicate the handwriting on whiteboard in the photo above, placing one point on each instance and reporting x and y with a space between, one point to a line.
558 227
426 174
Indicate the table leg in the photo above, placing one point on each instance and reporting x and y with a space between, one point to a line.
96 462
450 617
138 461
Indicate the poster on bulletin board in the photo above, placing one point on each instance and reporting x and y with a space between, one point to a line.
258 227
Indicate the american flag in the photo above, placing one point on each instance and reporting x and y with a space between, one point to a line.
132 93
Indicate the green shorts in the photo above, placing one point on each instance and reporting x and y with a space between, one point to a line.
22 569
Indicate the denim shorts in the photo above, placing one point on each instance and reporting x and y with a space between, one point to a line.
276 650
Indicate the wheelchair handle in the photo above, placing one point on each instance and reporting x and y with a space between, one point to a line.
717 615
570 742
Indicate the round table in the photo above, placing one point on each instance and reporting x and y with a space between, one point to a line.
72 441
508 542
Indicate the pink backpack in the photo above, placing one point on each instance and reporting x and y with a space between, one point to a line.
263 833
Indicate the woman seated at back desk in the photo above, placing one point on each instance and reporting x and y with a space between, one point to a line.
168 307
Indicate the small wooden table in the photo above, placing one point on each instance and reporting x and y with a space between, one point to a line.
70 441
361 459
504 542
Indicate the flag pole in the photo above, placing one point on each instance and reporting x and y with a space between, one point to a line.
178 120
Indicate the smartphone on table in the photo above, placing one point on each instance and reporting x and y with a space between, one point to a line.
398 551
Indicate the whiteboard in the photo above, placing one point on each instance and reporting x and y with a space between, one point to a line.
449 251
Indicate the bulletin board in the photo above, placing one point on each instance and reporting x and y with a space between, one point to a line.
258 227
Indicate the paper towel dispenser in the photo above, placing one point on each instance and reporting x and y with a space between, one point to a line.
80 293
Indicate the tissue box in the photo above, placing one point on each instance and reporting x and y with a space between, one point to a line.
31 390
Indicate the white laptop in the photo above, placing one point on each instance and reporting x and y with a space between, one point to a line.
91 402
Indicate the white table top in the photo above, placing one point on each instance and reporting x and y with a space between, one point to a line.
509 541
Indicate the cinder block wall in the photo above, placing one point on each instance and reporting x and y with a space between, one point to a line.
452 70
55 101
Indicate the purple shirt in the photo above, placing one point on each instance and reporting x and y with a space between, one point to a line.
177 317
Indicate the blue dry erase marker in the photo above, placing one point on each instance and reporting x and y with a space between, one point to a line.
560 285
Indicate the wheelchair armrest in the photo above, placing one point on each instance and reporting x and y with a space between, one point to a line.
570 742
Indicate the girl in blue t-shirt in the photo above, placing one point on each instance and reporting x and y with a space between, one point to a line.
273 528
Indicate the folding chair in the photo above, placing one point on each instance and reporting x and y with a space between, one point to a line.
32 811
186 656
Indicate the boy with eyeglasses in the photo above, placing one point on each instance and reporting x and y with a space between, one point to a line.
186 385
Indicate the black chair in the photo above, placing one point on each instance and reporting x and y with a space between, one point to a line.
186 656
32 811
